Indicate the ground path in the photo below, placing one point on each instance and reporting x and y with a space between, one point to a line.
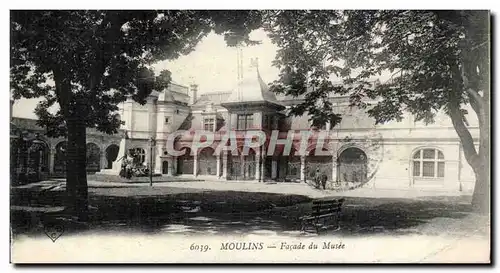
258 210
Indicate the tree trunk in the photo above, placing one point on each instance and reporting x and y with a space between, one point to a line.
76 173
479 161
481 195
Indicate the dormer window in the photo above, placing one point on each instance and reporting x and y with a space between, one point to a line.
209 124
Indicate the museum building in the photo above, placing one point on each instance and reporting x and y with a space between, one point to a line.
356 153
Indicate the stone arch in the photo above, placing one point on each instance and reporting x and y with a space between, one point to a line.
37 161
111 154
352 165
185 162
60 158
181 145
287 165
249 165
351 145
242 167
93 157
207 161
318 164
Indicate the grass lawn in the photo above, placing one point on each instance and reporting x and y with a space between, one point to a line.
162 209
141 206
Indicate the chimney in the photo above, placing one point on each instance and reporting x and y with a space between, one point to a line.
193 93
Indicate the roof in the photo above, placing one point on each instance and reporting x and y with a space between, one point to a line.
25 124
166 95
215 98
252 89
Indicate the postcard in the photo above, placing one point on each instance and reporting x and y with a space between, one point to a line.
250 136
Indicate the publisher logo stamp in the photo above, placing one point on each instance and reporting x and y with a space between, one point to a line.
53 230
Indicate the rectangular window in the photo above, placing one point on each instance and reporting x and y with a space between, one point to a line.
241 122
209 124
416 168
268 122
440 169
249 121
428 169
167 120
244 122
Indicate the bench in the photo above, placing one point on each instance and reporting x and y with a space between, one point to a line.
323 212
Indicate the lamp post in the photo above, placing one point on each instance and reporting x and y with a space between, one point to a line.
152 143
39 145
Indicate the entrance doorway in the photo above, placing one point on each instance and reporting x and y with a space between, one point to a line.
243 167
164 167
111 155
352 166
185 163
207 162
318 164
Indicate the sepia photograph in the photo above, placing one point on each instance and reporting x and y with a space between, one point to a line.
250 136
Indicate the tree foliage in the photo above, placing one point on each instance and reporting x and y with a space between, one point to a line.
87 62
419 48
438 61
103 57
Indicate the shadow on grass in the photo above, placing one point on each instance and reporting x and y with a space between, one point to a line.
140 180
223 212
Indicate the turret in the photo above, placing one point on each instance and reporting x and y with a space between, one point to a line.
193 94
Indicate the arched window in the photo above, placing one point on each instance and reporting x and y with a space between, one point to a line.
93 157
428 163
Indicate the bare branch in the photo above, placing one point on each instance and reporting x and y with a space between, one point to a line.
476 97
477 102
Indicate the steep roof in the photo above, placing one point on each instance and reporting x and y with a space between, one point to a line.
252 89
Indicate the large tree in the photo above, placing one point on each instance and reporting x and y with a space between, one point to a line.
439 61
87 62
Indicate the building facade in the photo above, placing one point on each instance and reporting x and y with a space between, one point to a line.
356 152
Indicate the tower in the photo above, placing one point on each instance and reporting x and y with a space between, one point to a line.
239 66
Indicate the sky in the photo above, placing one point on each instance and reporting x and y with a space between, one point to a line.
212 65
